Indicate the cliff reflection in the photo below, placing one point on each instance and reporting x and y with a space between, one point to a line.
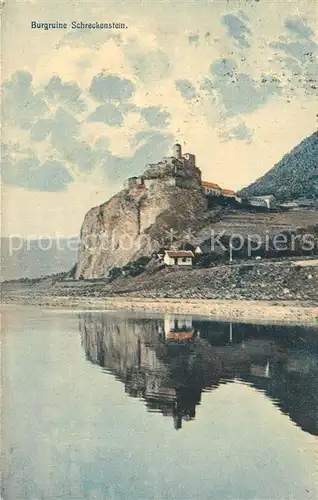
168 362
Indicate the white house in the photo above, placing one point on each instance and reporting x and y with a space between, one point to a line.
178 258
228 193
210 188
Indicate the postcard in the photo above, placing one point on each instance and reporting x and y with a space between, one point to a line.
159 250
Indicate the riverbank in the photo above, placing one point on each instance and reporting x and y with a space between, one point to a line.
235 310
283 291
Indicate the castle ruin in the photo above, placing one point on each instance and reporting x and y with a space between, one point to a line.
178 170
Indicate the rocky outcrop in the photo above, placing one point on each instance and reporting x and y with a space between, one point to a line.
137 221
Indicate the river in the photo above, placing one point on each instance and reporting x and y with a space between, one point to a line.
109 405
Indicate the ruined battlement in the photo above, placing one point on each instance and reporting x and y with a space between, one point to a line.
177 170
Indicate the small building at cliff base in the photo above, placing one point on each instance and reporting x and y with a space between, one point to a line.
178 258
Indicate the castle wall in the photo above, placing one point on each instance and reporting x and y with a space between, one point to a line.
187 183
211 191
190 159
133 182
168 181
130 183
177 151
199 173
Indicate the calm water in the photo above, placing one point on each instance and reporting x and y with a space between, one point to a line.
115 406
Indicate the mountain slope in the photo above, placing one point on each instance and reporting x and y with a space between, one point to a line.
294 176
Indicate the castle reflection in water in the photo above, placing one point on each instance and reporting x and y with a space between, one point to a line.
169 361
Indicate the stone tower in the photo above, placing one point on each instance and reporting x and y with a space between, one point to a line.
177 152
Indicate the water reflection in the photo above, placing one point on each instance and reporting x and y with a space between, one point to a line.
168 362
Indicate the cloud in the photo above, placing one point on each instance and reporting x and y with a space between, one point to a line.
237 30
78 153
27 109
105 88
293 66
155 116
68 93
186 89
207 85
101 150
300 51
239 133
61 126
223 68
107 113
65 125
63 130
55 123
32 110
21 105
301 46
51 176
126 107
298 27
41 129
150 66
64 140
102 142
150 146
239 92
21 168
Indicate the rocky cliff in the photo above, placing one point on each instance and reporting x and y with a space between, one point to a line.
295 176
137 221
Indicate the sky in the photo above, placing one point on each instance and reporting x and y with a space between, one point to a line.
234 82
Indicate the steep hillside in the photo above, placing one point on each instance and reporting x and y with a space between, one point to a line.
294 176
